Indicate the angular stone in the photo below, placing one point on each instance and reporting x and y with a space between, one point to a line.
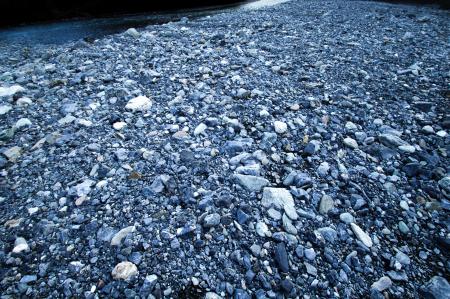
436 288
351 143
119 236
13 153
250 182
281 257
280 127
20 245
382 284
391 140
9 91
140 103
326 204
124 271
279 198
361 235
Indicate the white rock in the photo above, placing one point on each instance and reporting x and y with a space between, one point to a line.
280 127
350 126
118 237
262 230
124 270
132 32
361 235
9 91
20 245
279 198
84 122
264 113
119 125
4 109
382 284
441 133
13 153
140 103
407 148
23 122
67 119
250 182
428 129
83 188
350 142
24 101
200 129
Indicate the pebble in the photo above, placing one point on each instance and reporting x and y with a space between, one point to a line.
351 143
120 235
20 245
280 127
361 235
382 284
124 271
139 104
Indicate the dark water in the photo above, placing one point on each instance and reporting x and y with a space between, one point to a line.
71 30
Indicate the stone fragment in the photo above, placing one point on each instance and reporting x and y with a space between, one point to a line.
279 198
351 143
120 235
280 127
436 288
139 104
382 284
326 204
20 245
361 235
124 271
250 182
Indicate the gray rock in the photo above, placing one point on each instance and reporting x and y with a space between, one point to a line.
361 235
211 220
279 198
436 288
326 204
382 284
250 182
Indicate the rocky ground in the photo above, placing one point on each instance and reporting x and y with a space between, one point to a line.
299 150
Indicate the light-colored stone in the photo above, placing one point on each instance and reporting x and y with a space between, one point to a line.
9 91
119 125
13 153
140 103
361 235
280 127
119 236
200 129
382 284
20 245
4 109
407 148
133 32
351 143
23 122
262 230
250 182
326 204
279 198
124 271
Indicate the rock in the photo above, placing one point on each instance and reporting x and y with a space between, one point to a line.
133 33
119 236
9 91
139 104
310 254
119 125
13 153
351 143
444 183
200 129
361 235
403 227
382 284
4 109
390 140
281 257
310 269
323 169
20 245
280 127
436 288
211 220
124 271
407 148
347 218
326 204
428 129
262 230
279 198
250 182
